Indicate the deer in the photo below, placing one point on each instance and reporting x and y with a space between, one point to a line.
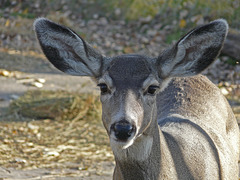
164 119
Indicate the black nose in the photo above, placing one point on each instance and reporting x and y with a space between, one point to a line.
123 130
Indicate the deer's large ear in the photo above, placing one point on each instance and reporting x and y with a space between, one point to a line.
194 52
66 50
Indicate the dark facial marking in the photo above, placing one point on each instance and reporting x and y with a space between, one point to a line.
129 71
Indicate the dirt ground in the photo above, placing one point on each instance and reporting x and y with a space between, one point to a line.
52 174
24 73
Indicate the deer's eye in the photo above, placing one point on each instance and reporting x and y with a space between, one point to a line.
152 89
103 88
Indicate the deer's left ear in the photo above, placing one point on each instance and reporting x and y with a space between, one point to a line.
67 51
194 52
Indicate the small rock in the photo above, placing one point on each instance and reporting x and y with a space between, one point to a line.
34 128
14 96
103 21
5 73
39 135
183 14
157 26
117 11
151 32
37 84
20 160
146 19
52 153
41 80
108 43
95 16
224 91
145 40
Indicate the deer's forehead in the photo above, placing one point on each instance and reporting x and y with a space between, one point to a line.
129 68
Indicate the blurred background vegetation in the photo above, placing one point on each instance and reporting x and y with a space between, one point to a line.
149 25
177 16
182 12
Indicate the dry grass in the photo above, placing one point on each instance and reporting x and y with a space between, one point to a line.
70 134
58 105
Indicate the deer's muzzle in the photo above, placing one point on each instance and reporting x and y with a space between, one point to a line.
123 130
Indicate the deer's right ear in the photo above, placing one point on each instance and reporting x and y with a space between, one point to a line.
194 52
67 51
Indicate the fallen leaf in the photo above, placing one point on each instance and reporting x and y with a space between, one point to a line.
182 23
25 11
7 23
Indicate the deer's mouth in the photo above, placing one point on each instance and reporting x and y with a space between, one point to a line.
120 143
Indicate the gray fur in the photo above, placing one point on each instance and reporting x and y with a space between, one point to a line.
67 51
195 51
186 130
